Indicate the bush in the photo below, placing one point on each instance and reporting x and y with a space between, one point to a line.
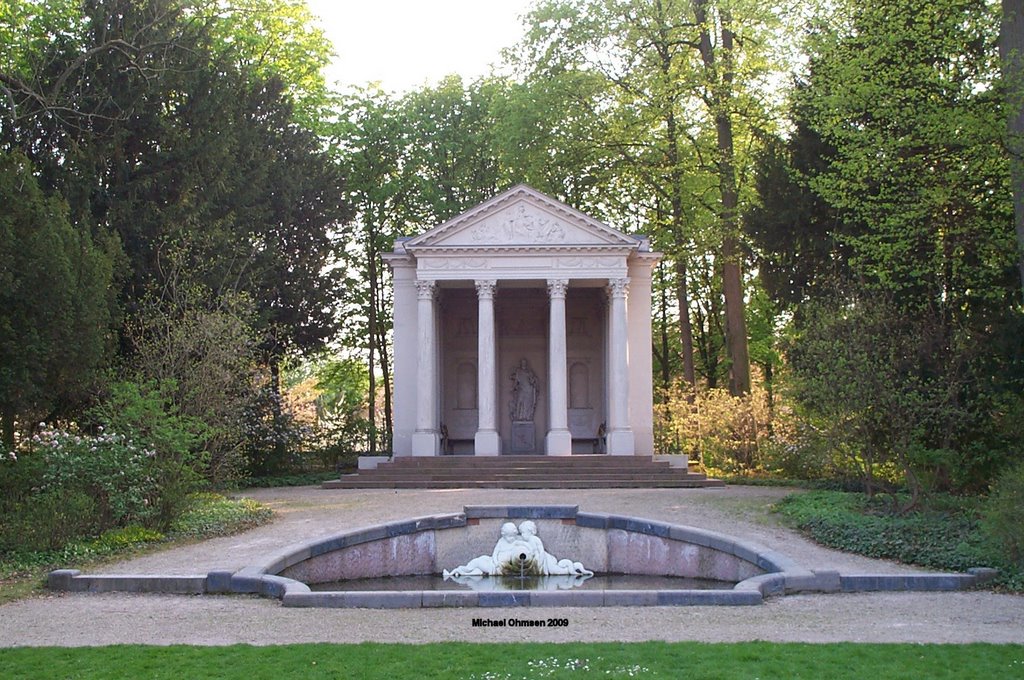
173 444
72 485
1002 515
202 351
48 521
713 427
137 466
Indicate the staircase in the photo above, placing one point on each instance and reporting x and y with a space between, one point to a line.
523 472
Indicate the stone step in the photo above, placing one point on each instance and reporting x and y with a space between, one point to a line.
519 484
524 472
466 462
639 480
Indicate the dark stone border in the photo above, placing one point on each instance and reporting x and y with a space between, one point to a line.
784 574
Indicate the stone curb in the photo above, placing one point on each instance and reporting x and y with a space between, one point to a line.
73 581
858 583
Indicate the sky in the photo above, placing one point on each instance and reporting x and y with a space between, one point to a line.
405 44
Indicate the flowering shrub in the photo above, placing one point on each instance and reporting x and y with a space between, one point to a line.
119 475
136 467
711 426
64 485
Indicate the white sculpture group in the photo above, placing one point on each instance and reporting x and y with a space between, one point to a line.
518 552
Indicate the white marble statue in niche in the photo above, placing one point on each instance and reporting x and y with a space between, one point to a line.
524 393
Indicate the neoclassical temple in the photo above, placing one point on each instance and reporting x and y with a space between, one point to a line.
521 327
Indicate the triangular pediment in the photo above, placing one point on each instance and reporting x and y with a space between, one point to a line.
522 217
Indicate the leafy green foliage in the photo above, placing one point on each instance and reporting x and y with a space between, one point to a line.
907 95
175 125
874 387
209 514
136 467
173 442
80 485
716 429
207 364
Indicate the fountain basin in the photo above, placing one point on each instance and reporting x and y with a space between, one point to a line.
610 543
605 543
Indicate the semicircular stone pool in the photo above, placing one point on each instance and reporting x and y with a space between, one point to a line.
637 562
627 553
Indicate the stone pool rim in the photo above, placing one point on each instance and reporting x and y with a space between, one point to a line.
783 574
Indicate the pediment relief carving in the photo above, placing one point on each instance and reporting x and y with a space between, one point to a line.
519 224
522 217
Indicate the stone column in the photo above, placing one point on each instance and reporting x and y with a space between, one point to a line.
620 435
486 442
426 440
559 440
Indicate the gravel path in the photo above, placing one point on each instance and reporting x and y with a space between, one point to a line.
308 512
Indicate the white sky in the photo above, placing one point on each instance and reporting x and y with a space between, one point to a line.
408 43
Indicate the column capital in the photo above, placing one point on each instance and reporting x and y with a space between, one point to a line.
486 288
617 288
557 287
425 289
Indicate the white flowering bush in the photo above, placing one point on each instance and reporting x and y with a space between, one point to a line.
118 474
135 465
65 484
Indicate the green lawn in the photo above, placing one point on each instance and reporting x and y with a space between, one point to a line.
513 661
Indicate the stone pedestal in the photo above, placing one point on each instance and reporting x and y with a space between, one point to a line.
524 437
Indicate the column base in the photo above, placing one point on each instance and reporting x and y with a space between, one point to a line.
486 443
621 443
559 443
426 443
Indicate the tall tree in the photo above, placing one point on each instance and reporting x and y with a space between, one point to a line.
174 124
55 303
374 144
798 236
717 45
671 103
907 96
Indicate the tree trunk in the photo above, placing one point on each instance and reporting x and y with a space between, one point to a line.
720 78
1011 53
666 373
735 323
385 369
276 464
685 325
371 265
